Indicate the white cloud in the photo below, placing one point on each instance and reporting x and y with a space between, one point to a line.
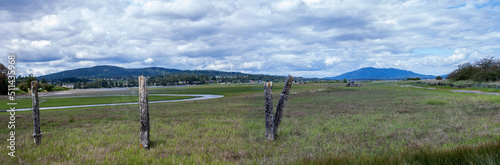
148 60
251 65
88 54
332 60
315 38
40 44
220 66
287 5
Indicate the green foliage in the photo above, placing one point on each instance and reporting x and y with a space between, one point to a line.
78 85
414 79
24 86
486 69
344 81
59 89
46 87
467 154
19 92
3 79
439 78
24 83
477 154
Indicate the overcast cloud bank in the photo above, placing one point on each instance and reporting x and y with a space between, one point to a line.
308 38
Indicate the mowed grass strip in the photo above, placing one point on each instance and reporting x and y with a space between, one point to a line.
321 122
59 101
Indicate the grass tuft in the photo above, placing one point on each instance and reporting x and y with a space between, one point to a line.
436 102
488 154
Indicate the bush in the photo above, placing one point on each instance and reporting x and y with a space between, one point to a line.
3 79
60 89
24 86
487 69
409 79
439 78
47 87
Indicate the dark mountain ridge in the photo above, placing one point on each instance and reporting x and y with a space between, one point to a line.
107 71
370 73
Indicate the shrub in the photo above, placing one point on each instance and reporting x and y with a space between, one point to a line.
439 78
47 87
24 86
487 69
409 79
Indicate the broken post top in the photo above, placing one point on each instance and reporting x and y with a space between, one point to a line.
288 84
289 79
141 78
268 85
34 86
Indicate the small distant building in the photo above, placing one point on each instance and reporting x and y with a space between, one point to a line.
70 86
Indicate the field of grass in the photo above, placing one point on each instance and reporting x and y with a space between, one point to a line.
456 83
83 100
379 123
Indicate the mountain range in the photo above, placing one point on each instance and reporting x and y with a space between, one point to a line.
106 71
370 73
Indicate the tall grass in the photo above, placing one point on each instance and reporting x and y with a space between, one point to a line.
487 154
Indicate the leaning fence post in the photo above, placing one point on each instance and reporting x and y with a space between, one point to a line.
37 135
144 108
268 89
281 103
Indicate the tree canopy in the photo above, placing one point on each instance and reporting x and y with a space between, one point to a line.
486 69
3 79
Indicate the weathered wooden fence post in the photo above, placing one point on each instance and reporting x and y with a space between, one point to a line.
37 135
281 103
144 108
268 89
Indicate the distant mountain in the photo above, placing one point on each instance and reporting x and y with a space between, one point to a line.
106 71
371 73
160 74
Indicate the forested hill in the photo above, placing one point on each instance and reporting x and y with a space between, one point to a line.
113 76
106 71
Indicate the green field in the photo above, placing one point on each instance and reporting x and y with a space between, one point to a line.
83 100
378 123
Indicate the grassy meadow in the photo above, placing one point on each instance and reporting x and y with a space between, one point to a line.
82 100
378 123
456 83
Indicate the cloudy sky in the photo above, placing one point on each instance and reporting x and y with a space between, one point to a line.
308 38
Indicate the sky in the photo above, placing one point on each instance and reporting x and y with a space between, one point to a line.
306 38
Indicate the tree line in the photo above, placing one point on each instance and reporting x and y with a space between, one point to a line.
483 70
22 82
195 77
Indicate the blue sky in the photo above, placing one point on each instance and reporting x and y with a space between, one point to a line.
308 38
